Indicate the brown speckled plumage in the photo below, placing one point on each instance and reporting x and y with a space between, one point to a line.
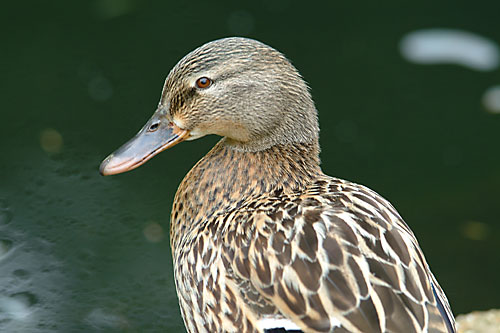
258 232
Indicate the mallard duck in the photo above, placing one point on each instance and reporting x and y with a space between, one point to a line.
262 240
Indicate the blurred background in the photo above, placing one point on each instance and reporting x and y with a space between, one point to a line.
408 96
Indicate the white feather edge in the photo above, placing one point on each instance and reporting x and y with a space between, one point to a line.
268 323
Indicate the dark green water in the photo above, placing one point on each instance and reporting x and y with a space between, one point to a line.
84 253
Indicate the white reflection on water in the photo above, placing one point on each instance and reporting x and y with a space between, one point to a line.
17 306
440 46
29 277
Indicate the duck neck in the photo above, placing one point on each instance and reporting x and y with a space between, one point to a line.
226 177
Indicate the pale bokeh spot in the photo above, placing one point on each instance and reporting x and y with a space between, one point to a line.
51 140
475 230
154 232
241 23
109 9
100 88
491 99
104 319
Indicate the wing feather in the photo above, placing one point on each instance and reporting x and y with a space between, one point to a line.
338 258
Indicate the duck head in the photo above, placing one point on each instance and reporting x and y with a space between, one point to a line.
237 88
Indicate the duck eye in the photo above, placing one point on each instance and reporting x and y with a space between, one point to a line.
203 82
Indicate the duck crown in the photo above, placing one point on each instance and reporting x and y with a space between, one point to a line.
243 90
